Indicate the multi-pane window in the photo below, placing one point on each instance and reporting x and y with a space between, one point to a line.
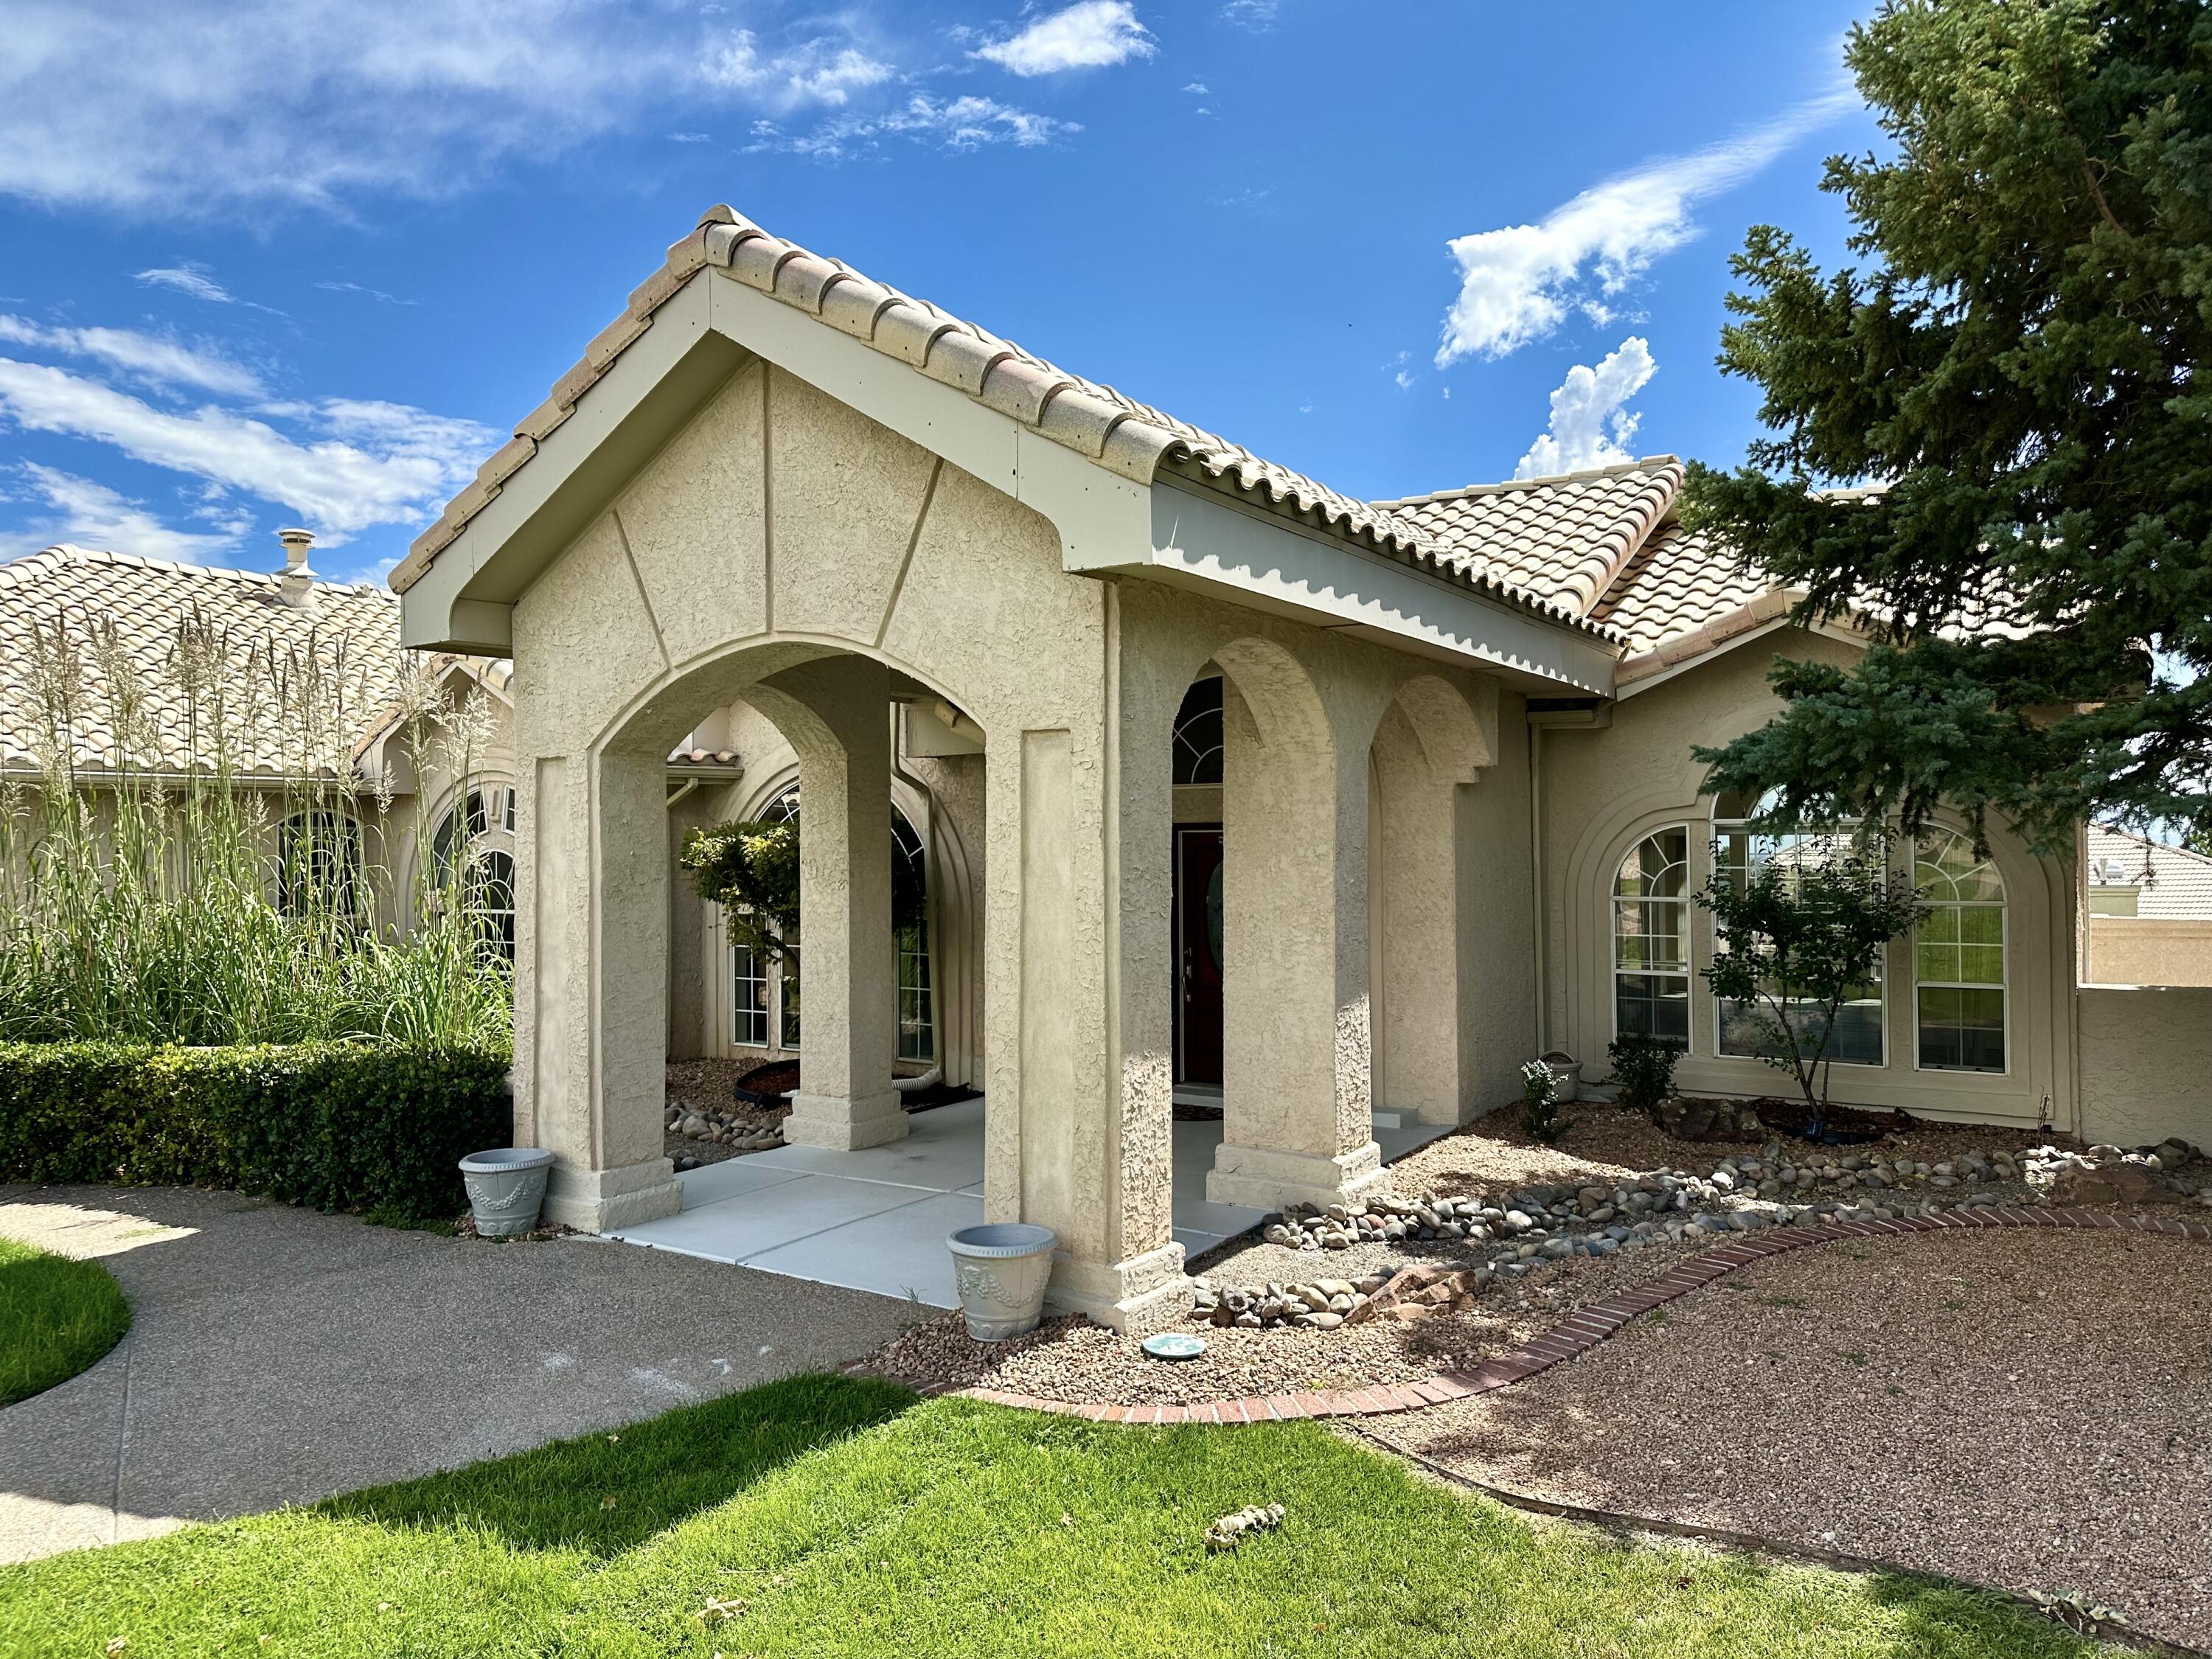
750 988
1740 848
1651 937
319 871
1959 956
917 1024
1198 733
473 852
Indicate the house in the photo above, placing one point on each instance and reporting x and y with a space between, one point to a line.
115 665
1228 787
2149 911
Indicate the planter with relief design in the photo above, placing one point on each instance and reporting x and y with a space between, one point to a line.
1001 1268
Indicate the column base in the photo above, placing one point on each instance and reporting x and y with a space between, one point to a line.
594 1200
1263 1179
844 1124
1143 1294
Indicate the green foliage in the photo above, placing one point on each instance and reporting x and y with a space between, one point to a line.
336 1126
1643 1070
2018 365
140 906
56 1317
1795 939
1539 1105
840 1518
751 868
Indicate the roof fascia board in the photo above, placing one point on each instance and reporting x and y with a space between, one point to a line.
463 601
1203 541
1637 688
701 336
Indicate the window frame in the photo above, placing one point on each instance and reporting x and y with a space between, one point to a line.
1614 901
1843 827
483 808
2003 905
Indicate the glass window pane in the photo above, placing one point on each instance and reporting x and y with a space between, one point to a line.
1982 965
1980 924
1938 962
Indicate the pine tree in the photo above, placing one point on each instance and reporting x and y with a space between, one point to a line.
2011 382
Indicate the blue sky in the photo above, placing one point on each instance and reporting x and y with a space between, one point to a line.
271 262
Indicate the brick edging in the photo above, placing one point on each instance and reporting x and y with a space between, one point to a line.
1581 1331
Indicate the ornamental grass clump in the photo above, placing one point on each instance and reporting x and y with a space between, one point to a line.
204 879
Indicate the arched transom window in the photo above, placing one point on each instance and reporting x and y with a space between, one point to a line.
473 853
1198 733
1959 956
1651 937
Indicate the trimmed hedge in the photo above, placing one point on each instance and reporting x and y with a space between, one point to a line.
336 1126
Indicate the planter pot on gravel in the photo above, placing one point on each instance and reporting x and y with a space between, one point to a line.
507 1186
1567 1071
1001 1268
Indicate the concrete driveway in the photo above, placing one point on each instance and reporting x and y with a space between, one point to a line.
277 1356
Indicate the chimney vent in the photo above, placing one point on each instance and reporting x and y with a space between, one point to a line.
297 584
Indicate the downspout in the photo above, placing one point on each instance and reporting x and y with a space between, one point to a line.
1536 885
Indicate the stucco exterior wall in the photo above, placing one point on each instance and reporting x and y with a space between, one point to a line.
2150 951
1606 789
2144 1071
776 527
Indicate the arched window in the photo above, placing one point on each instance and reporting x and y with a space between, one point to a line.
1959 956
751 977
473 854
320 871
1198 733
1651 937
1741 847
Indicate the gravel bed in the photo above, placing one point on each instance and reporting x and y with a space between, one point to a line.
705 1085
2025 1409
1075 1360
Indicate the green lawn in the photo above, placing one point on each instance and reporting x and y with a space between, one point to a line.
848 1519
56 1316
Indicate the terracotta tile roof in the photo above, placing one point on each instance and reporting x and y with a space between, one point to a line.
1675 584
353 633
2176 883
1566 537
1115 431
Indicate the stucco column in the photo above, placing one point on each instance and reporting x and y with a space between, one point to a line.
1416 913
837 712
591 989
1298 1123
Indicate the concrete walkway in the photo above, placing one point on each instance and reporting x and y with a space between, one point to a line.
876 1220
278 1355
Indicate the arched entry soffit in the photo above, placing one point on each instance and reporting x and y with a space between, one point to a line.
1285 704
1454 739
654 719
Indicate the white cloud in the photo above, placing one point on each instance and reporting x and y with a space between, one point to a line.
145 357
1518 283
193 105
1258 15
956 123
92 515
811 73
357 463
1198 87
1589 425
376 294
190 278
1090 35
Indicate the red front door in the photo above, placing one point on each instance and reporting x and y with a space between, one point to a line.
1198 953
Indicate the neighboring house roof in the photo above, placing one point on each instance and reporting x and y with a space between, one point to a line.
353 633
2174 884
1115 431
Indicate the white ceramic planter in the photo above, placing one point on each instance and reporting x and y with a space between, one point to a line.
1001 1268
1567 1072
507 1188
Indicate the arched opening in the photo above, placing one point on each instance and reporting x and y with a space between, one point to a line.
860 1193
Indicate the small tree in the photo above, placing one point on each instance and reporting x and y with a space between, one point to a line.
1644 1069
1795 938
751 868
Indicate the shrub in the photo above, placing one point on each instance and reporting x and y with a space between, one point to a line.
336 1126
1539 1103
1643 1070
